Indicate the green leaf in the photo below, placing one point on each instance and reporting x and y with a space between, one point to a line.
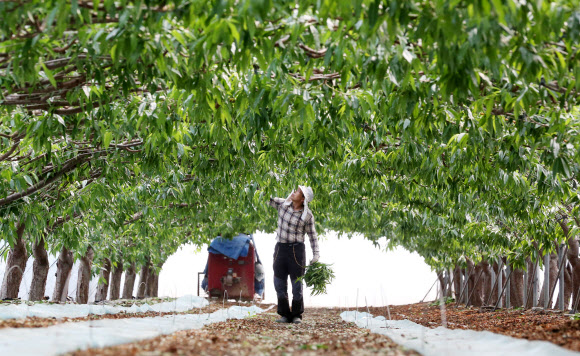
499 9
60 119
107 139
179 37
234 31
48 74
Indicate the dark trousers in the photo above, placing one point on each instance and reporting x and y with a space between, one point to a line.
289 260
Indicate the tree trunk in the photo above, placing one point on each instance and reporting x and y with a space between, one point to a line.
567 286
483 287
15 265
442 284
129 282
63 268
153 281
40 269
573 250
84 279
155 288
575 263
471 273
142 288
103 288
532 275
495 285
498 288
574 260
457 282
115 291
517 287
553 272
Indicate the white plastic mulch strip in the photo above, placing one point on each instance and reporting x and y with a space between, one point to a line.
67 337
22 310
443 341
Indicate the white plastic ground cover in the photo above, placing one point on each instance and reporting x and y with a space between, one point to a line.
68 337
448 342
22 310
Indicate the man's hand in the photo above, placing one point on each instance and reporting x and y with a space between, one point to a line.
314 259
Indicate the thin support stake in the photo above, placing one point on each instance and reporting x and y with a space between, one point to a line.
508 295
547 297
529 287
436 279
463 285
502 291
494 286
562 260
500 283
575 309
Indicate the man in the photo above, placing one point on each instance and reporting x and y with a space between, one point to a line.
294 220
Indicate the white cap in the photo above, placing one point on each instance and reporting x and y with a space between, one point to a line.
308 196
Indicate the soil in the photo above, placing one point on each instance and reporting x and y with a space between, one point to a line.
322 331
550 325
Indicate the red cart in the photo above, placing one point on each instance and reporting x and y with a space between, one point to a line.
233 278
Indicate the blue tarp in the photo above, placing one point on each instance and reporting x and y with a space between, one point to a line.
234 248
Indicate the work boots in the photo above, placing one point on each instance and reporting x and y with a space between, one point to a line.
297 308
284 311
287 316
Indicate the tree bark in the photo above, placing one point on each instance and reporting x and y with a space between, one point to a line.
498 288
443 285
40 269
155 288
63 268
103 288
567 286
84 276
142 288
471 273
483 287
129 282
494 286
457 281
532 274
15 265
574 260
575 263
517 287
151 283
115 291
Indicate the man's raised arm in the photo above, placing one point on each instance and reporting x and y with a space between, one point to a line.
275 202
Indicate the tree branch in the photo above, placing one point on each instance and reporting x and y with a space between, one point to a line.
12 149
72 164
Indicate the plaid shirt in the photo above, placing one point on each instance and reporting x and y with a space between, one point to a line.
291 228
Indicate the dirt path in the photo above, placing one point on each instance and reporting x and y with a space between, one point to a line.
322 331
